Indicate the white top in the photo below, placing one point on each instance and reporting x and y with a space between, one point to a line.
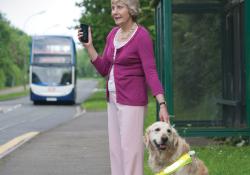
117 45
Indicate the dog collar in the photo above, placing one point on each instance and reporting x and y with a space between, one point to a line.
181 162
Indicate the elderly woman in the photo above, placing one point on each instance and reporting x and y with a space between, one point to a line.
128 65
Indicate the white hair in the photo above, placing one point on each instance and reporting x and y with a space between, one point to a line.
133 6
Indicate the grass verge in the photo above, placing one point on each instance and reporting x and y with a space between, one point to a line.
13 95
97 102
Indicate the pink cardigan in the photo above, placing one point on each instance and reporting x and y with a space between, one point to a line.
134 68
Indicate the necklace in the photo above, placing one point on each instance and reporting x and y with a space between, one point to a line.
123 36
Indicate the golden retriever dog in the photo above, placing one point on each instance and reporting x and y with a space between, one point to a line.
165 147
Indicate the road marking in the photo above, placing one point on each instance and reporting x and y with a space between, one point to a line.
15 143
79 112
9 108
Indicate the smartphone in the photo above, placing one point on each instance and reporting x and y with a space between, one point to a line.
85 30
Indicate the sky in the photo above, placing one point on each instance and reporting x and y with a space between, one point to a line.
43 17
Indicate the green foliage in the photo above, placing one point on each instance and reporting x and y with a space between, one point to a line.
13 50
146 17
97 13
84 66
2 78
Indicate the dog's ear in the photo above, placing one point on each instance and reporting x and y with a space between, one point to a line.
147 142
146 138
176 141
175 136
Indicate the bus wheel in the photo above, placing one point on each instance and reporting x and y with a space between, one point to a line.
37 102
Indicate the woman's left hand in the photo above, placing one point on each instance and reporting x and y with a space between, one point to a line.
163 114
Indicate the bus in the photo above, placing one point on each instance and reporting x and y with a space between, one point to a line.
52 70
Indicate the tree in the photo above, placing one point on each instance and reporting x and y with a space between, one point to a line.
97 13
84 66
13 48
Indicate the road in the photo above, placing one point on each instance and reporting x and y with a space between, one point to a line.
21 116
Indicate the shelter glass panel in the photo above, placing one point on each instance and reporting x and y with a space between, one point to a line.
197 60
208 79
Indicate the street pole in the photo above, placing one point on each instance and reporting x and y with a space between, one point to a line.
25 59
50 27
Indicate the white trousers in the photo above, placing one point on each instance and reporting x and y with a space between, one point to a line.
125 129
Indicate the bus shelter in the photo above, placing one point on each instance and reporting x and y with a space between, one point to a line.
203 59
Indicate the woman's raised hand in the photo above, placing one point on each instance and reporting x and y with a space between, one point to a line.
80 35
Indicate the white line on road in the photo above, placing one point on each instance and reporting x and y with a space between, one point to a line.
79 111
6 109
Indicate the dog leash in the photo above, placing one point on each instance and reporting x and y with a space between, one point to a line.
181 162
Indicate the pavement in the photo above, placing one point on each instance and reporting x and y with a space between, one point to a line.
79 147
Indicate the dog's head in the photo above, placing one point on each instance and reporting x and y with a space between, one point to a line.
160 136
